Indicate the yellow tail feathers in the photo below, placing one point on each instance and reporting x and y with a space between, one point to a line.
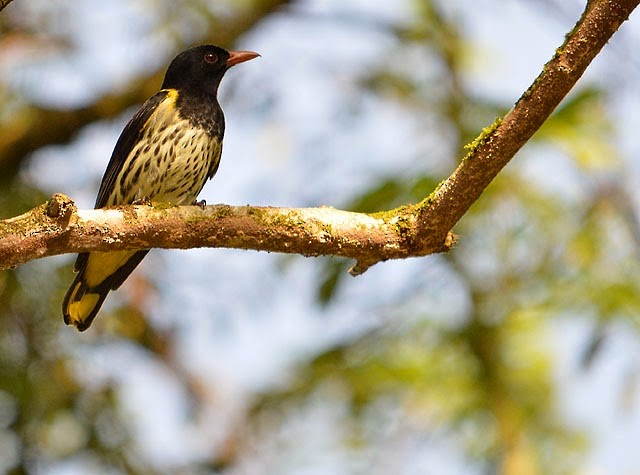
98 274
80 305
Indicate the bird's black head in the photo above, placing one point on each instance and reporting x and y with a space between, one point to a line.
200 69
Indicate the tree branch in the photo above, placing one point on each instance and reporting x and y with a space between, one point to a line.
497 145
58 227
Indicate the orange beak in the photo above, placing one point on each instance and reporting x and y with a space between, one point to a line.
236 57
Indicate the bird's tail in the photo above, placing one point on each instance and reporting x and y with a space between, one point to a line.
98 274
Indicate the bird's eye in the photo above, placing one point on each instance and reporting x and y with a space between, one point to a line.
211 57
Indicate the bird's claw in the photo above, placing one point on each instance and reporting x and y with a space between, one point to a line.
145 200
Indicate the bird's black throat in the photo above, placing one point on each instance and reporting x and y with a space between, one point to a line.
202 111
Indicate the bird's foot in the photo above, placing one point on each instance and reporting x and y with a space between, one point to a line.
145 200
201 203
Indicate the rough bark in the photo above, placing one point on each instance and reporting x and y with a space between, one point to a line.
58 227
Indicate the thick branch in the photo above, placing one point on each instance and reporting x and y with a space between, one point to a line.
497 145
57 227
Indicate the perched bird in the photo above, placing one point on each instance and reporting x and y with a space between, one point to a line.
166 153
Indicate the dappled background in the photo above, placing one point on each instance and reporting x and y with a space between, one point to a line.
517 353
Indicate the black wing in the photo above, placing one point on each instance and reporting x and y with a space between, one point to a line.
132 132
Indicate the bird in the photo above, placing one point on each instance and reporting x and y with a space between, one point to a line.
165 153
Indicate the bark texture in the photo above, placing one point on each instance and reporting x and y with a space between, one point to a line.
58 227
